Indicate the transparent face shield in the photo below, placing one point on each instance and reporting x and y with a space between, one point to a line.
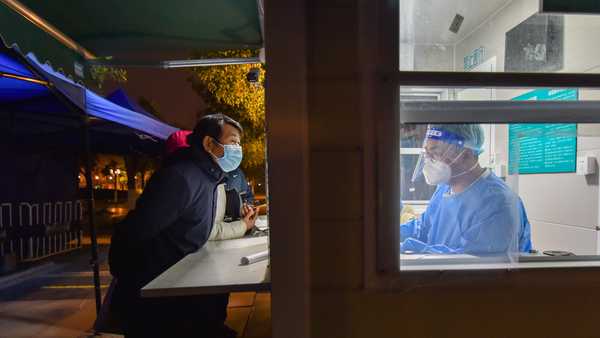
445 142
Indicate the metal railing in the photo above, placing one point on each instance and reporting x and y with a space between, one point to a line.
33 231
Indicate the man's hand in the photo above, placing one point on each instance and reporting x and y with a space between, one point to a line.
249 215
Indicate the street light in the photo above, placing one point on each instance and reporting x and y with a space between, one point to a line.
116 172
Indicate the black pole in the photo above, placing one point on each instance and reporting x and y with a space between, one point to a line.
91 213
88 169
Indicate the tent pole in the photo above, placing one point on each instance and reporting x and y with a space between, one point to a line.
88 176
91 214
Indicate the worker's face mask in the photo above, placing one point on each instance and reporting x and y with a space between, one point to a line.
232 157
440 172
437 171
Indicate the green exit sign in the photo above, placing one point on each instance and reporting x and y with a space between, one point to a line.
570 6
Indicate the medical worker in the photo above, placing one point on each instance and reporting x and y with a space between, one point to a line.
472 211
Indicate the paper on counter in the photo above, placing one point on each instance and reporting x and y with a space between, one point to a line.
261 224
257 257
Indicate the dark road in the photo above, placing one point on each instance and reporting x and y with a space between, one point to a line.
56 300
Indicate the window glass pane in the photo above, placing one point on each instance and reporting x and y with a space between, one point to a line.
495 36
478 104
533 196
481 195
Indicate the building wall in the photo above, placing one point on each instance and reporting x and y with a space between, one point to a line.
332 70
434 57
491 33
168 90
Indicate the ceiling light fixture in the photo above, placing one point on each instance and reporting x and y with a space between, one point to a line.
208 62
456 23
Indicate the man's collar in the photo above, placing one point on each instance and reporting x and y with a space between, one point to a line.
203 160
234 173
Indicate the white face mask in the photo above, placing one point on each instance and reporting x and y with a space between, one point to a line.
436 172
439 172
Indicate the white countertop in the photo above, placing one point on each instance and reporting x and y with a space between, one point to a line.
213 269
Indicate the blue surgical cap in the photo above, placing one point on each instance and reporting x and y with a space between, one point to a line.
469 136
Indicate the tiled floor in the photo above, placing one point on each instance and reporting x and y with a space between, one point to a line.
249 314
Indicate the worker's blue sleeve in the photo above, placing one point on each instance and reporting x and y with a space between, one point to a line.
413 234
416 228
408 229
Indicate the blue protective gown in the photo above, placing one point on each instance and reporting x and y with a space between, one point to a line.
486 218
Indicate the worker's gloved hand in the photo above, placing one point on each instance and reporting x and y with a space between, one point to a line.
412 245
407 214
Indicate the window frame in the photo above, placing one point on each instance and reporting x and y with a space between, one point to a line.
382 270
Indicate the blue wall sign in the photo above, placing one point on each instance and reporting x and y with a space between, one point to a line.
537 148
474 59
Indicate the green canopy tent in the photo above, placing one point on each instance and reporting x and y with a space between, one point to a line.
133 32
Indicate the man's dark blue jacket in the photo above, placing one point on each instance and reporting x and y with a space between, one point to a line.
172 218
237 180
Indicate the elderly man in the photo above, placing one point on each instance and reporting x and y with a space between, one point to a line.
174 217
472 210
